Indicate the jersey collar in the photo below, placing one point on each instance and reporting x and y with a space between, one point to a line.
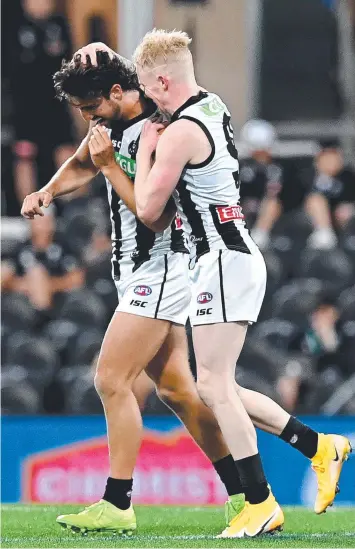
191 101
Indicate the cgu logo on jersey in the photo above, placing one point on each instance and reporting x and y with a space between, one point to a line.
128 165
228 213
212 108
143 290
204 297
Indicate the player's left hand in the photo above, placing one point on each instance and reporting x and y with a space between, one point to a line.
150 136
101 149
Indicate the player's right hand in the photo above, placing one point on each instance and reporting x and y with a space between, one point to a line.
91 50
32 205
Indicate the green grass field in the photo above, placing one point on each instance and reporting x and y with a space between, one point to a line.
34 526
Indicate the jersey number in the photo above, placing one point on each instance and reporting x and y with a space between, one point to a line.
229 135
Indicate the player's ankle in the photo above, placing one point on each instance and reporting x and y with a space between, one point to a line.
118 492
228 473
251 472
301 437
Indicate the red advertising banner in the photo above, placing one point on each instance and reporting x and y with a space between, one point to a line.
170 469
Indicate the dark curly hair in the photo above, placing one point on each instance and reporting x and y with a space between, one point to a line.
87 81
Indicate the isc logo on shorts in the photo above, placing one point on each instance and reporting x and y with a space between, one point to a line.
228 213
205 297
142 290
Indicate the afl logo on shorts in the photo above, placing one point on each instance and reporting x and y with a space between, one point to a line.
142 290
205 297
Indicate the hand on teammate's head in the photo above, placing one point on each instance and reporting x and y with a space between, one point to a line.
88 55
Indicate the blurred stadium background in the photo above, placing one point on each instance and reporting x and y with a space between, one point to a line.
291 64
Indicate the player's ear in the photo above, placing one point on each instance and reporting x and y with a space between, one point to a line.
116 92
163 82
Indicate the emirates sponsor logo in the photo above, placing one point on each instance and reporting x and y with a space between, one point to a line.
229 213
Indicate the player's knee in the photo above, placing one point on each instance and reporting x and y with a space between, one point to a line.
108 385
102 384
213 391
205 391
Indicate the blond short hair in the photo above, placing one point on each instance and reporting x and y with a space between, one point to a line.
162 46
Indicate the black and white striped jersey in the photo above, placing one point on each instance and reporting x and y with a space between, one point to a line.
132 242
207 196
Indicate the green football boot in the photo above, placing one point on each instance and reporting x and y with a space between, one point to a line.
233 506
101 517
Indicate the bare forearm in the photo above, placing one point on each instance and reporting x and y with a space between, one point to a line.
122 184
77 171
71 176
144 165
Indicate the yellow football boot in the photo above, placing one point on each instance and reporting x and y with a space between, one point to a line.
101 517
332 451
253 520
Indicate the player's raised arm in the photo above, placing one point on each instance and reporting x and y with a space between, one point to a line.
77 171
174 149
103 157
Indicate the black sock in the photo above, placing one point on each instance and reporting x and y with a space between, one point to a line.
118 492
228 473
253 479
301 437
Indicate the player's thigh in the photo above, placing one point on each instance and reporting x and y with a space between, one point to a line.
218 346
129 345
170 369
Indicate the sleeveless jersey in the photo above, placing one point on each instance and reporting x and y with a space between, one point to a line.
207 196
132 242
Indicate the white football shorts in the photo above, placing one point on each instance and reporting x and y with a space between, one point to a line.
159 288
227 286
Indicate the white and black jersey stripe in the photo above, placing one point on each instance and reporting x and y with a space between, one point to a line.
132 242
207 197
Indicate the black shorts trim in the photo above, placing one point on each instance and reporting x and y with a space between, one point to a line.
221 286
162 285
210 139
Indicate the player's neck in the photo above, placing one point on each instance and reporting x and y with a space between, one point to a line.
180 95
133 105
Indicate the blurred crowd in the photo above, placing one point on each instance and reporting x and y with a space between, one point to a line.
57 292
